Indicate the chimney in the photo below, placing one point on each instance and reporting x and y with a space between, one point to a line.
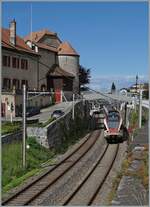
12 28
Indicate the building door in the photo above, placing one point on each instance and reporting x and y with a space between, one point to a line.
3 109
58 85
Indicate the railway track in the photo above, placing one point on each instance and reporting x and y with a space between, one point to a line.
30 192
93 180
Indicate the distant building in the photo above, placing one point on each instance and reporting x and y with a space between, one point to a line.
113 88
134 89
123 91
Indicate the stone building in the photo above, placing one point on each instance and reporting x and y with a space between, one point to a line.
59 63
40 61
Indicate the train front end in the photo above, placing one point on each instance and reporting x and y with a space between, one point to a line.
113 126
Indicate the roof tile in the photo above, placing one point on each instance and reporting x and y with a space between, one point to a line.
66 49
20 44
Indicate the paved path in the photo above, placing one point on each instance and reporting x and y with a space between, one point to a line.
45 113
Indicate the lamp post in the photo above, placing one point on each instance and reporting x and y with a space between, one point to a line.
24 128
140 108
136 82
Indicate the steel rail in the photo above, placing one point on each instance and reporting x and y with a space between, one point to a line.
51 170
81 184
103 181
67 200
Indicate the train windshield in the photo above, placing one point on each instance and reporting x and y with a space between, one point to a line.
113 120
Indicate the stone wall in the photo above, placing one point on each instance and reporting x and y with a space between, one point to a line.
63 128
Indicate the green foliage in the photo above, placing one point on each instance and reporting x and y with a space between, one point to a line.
8 127
134 118
12 161
77 128
84 75
145 115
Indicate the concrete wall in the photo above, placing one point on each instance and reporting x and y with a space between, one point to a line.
21 74
71 65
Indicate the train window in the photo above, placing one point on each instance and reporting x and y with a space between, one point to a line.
113 120
113 117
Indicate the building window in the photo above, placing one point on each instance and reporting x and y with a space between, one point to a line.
43 87
24 82
16 83
15 62
6 61
6 83
24 64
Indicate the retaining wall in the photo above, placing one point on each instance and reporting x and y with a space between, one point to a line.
59 130
63 128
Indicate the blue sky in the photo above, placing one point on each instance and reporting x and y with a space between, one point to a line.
111 38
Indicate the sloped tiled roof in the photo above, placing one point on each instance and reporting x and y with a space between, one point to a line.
58 71
36 36
47 47
66 49
20 44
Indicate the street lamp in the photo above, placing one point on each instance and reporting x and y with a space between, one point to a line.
136 82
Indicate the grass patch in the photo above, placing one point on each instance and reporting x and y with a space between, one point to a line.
134 119
19 180
12 171
142 173
37 157
117 179
8 127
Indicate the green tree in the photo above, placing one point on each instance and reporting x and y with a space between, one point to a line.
84 75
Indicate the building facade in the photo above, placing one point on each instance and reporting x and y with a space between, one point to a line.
59 62
42 62
19 67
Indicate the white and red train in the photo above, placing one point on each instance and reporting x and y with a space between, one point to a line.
114 130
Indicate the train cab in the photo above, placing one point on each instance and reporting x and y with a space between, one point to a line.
113 126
